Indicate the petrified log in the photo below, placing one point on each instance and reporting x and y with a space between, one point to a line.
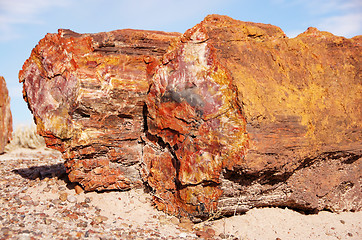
6 122
234 115
249 117
86 92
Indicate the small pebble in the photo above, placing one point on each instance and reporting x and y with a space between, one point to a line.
56 201
204 234
186 226
24 236
100 219
210 231
62 188
174 220
85 205
78 189
183 235
63 196
27 198
47 221
71 199
163 219
225 236
5 230
82 224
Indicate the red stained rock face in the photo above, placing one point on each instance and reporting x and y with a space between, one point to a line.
6 122
252 118
192 107
229 116
86 92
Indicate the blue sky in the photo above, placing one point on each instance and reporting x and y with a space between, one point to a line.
24 22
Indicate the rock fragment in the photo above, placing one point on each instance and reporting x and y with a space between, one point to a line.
6 122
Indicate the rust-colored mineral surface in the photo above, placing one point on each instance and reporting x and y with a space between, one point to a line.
229 116
6 122
87 92
252 118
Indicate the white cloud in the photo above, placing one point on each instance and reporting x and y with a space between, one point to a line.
347 25
340 17
13 12
27 9
321 7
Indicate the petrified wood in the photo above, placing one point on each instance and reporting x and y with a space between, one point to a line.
87 92
231 115
249 117
6 122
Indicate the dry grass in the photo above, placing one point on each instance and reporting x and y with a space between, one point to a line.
25 137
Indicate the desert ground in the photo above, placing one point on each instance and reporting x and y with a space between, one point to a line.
38 202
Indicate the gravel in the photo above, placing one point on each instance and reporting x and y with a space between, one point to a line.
36 202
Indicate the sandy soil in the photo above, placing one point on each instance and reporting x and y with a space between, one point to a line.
37 202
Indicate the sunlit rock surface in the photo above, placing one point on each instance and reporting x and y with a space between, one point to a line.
87 92
229 116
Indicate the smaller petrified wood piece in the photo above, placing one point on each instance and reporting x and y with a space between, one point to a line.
87 93
6 122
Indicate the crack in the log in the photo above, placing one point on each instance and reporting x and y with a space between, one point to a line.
185 121
235 40
270 177
144 115
255 36
349 157
127 116
106 49
175 161
80 113
203 183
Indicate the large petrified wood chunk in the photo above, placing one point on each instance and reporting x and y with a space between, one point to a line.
86 92
193 109
231 115
6 122
245 117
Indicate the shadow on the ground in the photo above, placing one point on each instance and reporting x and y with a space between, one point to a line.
46 171
41 172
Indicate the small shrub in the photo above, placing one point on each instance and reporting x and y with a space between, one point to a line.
25 137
